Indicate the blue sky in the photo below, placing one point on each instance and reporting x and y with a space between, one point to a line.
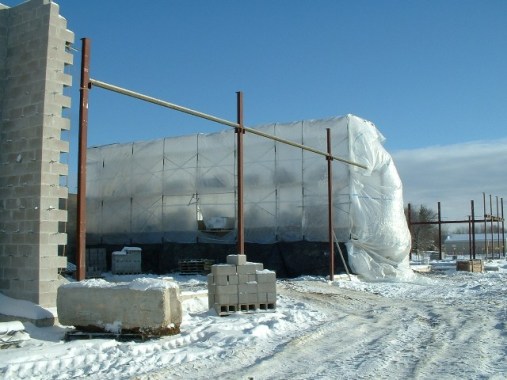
427 73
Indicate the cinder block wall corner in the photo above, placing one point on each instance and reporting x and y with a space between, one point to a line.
34 72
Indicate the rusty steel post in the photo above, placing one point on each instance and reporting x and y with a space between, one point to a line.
485 224
472 253
470 237
409 217
491 227
330 205
81 174
439 232
503 227
239 138
498 228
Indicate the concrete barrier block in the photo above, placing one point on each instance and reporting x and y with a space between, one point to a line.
148 306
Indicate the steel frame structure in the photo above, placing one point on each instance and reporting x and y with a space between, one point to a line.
86 84
471 222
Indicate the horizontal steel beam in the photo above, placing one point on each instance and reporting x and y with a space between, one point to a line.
215 119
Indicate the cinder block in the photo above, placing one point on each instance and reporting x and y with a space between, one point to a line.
223 269
243 278
236 259
226 299
267 287
247 288
233 279
226 289
271 297
222 279
247 298
249 268
265 276
211 300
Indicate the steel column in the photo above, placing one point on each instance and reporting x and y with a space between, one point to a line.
330 205
503 227
472 253
81 175
409 217
239 138
439 232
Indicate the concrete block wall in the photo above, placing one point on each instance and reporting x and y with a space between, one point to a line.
34 71
241 286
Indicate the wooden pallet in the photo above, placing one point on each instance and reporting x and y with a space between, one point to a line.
197 266
121 337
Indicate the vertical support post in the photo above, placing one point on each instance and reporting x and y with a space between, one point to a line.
81 174
239 139
470 237
330 205
472 252
409 217
497 227
485 224
491 227
503 227
439 233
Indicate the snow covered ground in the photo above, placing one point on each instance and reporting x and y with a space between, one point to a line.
444 325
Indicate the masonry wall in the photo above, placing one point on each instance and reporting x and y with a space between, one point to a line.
33 62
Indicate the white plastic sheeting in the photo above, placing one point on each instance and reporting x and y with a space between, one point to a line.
165 191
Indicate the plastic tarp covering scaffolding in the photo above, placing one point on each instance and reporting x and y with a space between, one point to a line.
183 190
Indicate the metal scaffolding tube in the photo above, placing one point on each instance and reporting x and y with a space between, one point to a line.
215 119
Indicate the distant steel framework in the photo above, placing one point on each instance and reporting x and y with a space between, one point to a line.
471 222
86 84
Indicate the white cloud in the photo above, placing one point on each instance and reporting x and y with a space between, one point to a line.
455 175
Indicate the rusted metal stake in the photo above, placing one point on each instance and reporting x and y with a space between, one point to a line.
472 253
409 216
239 136
81 174
330 205
503 227
439 232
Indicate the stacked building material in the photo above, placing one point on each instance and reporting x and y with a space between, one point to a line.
240 285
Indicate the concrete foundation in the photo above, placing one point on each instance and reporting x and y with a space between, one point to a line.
148 306
34 71
242 286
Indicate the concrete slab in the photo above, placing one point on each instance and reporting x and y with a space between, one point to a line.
148 306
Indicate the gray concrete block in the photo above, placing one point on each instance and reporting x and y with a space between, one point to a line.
249 268
223 269
144 305
236 259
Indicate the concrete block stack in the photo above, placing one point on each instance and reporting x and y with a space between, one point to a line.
34 73
242 286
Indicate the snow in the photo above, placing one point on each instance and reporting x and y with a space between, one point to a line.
443 324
